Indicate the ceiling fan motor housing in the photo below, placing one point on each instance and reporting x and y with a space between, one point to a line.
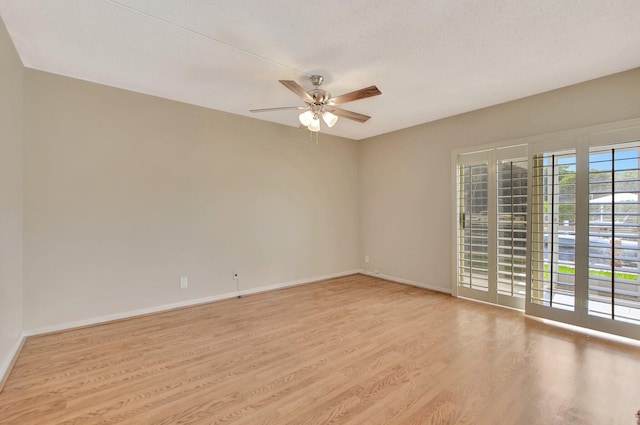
320 97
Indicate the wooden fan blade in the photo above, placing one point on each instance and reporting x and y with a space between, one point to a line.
348 114
300 108
297 89
355 95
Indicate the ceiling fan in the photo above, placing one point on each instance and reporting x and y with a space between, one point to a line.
319 103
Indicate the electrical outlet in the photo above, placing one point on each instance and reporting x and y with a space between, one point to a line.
183 282
366 259
235 275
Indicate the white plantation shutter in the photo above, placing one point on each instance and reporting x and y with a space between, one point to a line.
473 240
511 238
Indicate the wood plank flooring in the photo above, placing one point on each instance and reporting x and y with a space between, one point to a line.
353 350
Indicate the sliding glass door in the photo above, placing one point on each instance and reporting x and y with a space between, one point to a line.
553 227
585 231
614 233
553 219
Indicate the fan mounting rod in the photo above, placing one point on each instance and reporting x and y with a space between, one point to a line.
316 80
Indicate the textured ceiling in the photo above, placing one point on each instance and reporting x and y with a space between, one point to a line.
431 59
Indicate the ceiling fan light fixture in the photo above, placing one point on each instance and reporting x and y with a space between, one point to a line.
305 118
315 124
330 118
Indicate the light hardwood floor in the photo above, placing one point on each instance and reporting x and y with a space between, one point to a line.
353 350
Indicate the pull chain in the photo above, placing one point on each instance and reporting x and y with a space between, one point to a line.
317 133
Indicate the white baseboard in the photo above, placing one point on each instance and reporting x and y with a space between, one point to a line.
407 282
7 364
157 309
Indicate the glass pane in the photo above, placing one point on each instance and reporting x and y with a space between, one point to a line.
553 219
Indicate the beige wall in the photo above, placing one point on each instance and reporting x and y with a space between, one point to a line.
11 119
405 188
125 193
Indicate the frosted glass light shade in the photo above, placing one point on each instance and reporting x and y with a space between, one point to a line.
330 119
306 118
315 125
